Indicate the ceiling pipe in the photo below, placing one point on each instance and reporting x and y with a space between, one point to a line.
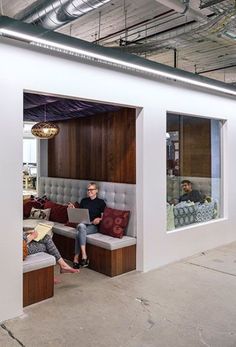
60 44
55 13
184 9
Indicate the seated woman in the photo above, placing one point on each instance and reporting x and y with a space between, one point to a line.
46 245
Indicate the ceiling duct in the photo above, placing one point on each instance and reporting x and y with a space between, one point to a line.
184 9
60 44
56 13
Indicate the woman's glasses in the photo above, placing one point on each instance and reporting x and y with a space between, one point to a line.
90 190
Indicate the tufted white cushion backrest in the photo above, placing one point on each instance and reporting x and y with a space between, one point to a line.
121 196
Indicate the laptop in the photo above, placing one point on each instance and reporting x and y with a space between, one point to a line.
78 215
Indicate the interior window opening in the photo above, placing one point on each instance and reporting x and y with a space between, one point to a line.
193 169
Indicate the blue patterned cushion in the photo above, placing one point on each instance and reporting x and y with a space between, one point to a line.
205 212
184 214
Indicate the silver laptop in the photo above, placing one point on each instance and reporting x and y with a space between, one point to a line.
78 215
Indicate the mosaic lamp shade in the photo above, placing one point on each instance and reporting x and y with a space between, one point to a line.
45 130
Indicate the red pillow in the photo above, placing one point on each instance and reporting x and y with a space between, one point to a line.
114 222
58 212
28 205
69 224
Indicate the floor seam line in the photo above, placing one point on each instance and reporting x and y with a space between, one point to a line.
209 268
3 326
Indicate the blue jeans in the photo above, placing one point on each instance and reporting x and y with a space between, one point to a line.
82 231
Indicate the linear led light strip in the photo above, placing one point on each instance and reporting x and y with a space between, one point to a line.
105 59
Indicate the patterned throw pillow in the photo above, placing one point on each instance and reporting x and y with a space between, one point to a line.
205 212
40 199
114 222
27 206
184 214
40 214
33 201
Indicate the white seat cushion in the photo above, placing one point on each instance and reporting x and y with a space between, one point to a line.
109 242
29 224
64 230
97 239
38 261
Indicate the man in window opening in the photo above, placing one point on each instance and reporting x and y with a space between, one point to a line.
96 208
189 193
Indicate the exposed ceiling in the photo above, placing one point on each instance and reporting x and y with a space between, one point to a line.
202 40
39 108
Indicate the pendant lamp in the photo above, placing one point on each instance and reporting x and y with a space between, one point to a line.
45 130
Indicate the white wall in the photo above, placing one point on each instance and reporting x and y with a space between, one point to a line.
23 69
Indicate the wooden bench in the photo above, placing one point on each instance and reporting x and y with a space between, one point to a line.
38 278
106 254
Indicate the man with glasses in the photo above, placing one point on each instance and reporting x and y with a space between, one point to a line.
96 208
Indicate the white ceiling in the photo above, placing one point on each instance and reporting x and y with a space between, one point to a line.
159 33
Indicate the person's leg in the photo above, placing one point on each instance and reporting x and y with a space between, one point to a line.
90 229
52 249
80 240
80 235
36 247
65 268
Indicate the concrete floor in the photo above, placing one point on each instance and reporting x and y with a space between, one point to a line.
187 304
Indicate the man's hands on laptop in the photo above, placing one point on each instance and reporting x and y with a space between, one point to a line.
70 205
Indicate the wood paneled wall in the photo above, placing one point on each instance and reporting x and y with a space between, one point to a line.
100 148
194 144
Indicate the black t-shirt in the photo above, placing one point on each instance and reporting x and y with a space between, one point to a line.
95 206
194 196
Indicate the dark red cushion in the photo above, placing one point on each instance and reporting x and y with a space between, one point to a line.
69 224
28 205
114 222
58 212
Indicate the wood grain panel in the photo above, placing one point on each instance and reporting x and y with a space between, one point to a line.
100 148
196 147
65 245
194 144
112 263
38 285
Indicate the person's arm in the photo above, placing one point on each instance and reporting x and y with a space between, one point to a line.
31 235
97 220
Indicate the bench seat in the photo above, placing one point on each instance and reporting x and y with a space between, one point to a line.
108 255
98 239
38 274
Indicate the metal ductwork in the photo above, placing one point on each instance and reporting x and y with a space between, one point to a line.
55 13
184 9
